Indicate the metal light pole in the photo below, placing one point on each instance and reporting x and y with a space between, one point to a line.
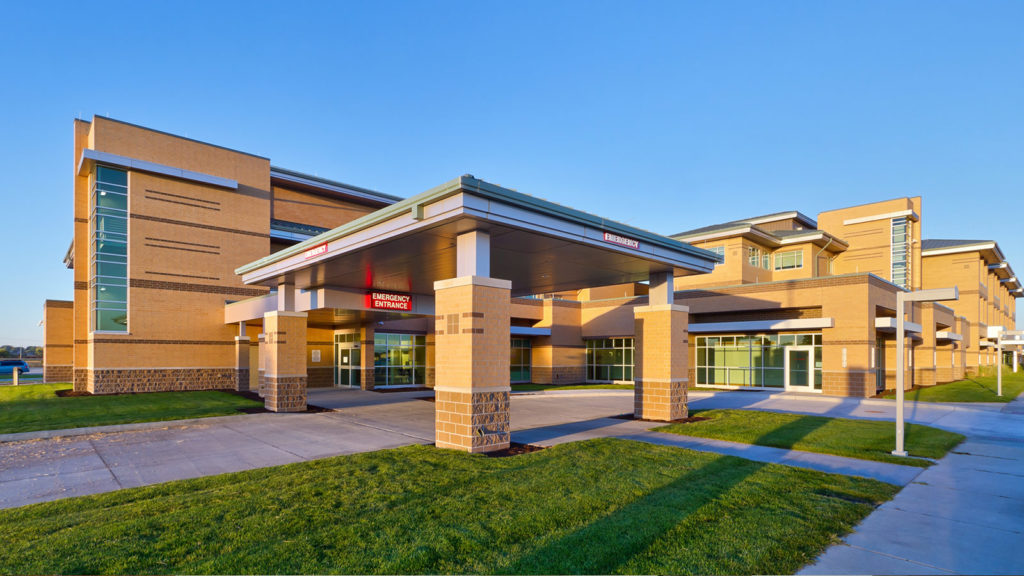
999 355
933 295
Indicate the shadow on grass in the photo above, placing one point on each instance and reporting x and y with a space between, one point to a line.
605 545
613 541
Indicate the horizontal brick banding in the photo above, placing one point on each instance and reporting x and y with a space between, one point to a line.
59 304
189 204
201 226
166 241
202 288
163 342
182 249
211 202
115 381
59 346
182 275
82 220
472 330
81 285
320 343
472 314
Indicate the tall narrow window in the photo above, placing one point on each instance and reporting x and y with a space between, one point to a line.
108 267
720 250
754 256
901 252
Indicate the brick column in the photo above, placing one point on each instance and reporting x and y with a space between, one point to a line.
261 361
242 362
367 374
285 376
660 362
472 363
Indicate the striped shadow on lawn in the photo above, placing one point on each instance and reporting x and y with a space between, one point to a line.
864 439
600 506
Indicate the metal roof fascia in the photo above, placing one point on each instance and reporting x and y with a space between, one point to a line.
128 163
958 249
339 187
486 190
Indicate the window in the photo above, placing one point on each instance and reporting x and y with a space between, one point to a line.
789 260
754 256
108 266
751 360
720 250
901 252
400 359
519 360
610 359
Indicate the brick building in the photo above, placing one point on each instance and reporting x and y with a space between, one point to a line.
201 267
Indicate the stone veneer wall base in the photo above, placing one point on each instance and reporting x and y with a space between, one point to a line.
54 374
473 421
286 393
123 380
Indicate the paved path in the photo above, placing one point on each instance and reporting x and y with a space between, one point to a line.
965 514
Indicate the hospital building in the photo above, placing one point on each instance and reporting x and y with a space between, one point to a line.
201 267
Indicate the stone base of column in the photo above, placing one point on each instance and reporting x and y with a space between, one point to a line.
285 393
54 374
242 379
472 421
663 401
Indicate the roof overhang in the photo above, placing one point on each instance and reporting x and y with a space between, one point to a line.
988 250
888 215
947 336
69 256
762 325
331 188
755 234
92 157
538 245
888 325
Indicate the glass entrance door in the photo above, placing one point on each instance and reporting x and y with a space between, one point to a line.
799 370
346 360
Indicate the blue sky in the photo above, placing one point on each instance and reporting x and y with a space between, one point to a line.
664 115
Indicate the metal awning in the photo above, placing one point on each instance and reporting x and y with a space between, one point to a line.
763 325
888 325
538 245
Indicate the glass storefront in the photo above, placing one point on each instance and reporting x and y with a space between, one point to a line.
400 359
519 360
752 360
346 360
610 360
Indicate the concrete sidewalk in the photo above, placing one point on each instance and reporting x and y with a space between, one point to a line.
962 516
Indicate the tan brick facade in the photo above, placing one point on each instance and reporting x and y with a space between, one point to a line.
284 378
660 367
471 356
58 341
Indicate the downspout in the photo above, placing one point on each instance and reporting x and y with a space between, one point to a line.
823 248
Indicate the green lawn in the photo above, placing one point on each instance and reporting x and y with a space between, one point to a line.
974 389
600 506
37 407
865 439
534 387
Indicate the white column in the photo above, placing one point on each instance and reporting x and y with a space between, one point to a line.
473 254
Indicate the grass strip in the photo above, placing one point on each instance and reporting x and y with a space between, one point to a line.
536 387
973 389
600 506
37 407
864 439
